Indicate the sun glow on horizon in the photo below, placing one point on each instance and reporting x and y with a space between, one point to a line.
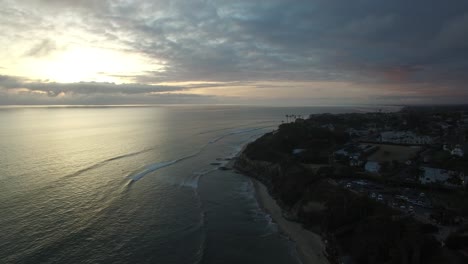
85 64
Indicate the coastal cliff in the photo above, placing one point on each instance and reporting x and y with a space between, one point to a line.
290 194
355 228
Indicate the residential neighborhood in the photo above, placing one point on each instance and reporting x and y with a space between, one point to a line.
412 161
379 185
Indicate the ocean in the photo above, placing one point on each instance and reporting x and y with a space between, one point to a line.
135 185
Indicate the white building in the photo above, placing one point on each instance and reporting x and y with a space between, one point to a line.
454 151
372 166
457 151
355 152
297 151
342 152
358 133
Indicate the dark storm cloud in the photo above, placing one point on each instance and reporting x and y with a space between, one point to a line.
99 88
15 90
82 88
106 99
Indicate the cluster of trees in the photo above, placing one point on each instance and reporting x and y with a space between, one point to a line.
354 120
291 118
316 142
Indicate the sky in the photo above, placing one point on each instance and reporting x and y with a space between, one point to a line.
260 52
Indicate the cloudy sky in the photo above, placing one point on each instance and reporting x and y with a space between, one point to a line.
268 52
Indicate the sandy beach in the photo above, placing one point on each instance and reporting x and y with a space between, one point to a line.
309 245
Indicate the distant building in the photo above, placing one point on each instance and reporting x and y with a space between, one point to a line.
457 151
445 177
355 154
298 151
372 166
454 151
444 126
342 152
368 149
355 151
358 133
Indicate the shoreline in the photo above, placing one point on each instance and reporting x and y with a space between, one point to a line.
309 245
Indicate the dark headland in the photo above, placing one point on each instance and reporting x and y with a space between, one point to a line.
372 187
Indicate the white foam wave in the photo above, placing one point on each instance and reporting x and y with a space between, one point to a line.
258 213
192 182
152 168
156 166
160 165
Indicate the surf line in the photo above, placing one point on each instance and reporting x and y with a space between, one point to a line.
156 166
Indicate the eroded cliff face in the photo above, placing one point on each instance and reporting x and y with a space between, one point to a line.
288 184
263 171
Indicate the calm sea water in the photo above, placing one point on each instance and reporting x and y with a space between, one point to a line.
134 185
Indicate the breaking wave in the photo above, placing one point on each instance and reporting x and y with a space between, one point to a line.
157 166
104 162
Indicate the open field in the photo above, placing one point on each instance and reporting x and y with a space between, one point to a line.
394 152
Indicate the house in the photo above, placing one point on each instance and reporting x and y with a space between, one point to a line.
354 154
457 151
372 166
297 151
356 151
448 178
444 126
341 152
349 151
358 133
368 149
